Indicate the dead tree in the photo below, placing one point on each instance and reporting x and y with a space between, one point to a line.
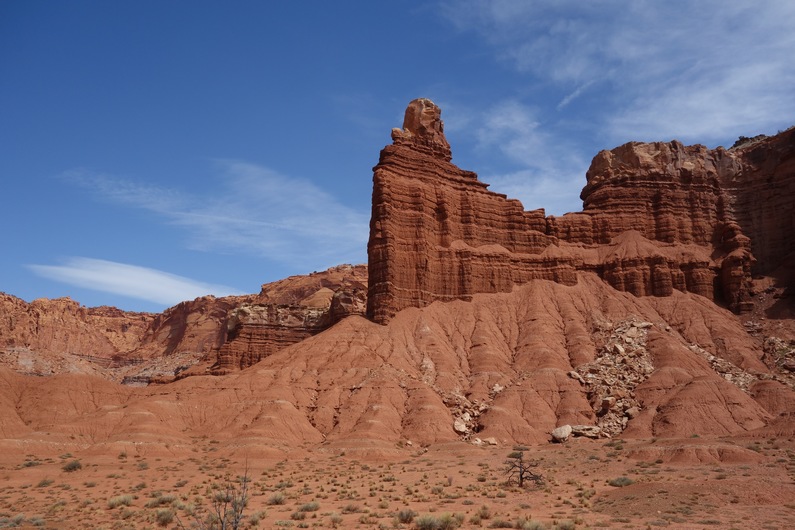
520 470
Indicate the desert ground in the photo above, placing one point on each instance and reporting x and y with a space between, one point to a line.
688 483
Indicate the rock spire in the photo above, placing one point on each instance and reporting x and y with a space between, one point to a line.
423 128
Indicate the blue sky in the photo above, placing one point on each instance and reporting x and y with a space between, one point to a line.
155 151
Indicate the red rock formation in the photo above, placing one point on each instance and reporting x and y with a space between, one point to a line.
500 323
657 217
437 233
48 337
675 195
255 332
289 311
509 366
54 336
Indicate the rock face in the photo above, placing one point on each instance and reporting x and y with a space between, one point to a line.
437 233
657 217
288 312
497 368
48 337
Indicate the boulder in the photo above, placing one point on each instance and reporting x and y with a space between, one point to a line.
561 434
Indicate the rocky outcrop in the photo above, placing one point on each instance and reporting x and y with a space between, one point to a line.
437 233
45 337
594 324
673 195
657 217
288 312
48 337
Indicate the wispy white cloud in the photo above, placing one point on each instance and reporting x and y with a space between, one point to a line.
254 211
551 174
132 281
697 71
574 95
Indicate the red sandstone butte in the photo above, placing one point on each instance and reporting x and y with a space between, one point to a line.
657 217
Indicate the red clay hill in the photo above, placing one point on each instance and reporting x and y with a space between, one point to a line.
664 308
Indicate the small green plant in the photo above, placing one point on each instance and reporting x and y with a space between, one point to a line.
256 517
43 483
161 500
36 521
406 516
529 524
72 465
120 500
309 507
275 499
11 522
444 522
164 517
228 501
484 512
427 522
620 482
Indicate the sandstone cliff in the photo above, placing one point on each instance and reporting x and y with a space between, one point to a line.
657 217
288 311
48 337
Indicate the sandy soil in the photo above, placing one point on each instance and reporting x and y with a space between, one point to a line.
685 483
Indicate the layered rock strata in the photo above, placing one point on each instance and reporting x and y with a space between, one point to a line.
289 311
657 217
47 337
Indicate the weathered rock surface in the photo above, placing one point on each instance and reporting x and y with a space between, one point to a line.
498 367
289 311
48 337
657 217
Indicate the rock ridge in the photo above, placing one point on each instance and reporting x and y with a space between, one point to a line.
657 217
205 335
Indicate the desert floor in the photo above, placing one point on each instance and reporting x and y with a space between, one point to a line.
690 483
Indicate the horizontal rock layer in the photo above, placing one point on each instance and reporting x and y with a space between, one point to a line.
47 337
657 217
